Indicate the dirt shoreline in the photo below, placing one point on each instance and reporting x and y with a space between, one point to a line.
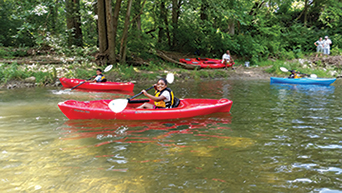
239 72
62 65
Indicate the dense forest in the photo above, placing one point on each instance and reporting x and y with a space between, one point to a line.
121 30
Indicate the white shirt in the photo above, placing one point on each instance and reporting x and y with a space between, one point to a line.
326 43
225 56
319 43
98 78
167 96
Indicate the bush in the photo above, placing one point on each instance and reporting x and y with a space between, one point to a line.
335 51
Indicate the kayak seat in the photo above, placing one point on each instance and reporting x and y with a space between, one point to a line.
176 103
104 80
201 59
210 62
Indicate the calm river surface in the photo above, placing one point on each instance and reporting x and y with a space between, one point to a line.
277 138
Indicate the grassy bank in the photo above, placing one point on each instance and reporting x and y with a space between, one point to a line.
49 74
303 65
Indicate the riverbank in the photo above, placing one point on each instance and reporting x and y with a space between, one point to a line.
45 70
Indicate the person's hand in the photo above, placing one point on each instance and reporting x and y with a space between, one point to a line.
155 86
144 92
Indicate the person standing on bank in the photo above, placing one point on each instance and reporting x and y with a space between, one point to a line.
326 45
319 45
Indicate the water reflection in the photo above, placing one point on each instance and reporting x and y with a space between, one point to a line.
144 132
306 89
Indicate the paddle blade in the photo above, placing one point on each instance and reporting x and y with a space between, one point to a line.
118 105
170 78
108 68
283 69
313 76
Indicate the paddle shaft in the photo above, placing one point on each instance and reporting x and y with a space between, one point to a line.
140 93
309 75
105 70
79 84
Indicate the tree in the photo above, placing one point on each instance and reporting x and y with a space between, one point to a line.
73 22
107 26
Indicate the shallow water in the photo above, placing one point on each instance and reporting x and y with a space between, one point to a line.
277 138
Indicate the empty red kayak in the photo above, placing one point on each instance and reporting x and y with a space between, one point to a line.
103 86
99 109
205 62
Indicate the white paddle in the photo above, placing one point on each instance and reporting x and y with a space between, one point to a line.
119 105
108 68
286 70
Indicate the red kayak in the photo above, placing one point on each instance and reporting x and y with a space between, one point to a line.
205 62
102 86
99 109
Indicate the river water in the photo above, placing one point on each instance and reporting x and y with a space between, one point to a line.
277 138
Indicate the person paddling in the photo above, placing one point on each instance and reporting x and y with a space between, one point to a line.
294 74
99 76
163 98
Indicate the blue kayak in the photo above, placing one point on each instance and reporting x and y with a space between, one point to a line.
319 81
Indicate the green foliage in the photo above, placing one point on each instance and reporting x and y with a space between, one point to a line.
16 72
261 30
275 69
83 73
11 72
5 52
336 51
336 41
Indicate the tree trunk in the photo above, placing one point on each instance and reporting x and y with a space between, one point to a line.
138 19
174 21
110 32
123 45
78 30
74 22
107 30
306 12
54 15
101 25
163 17
231 26
204 8
116 19
70 21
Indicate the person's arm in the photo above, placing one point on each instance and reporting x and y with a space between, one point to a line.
160 98
315 44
